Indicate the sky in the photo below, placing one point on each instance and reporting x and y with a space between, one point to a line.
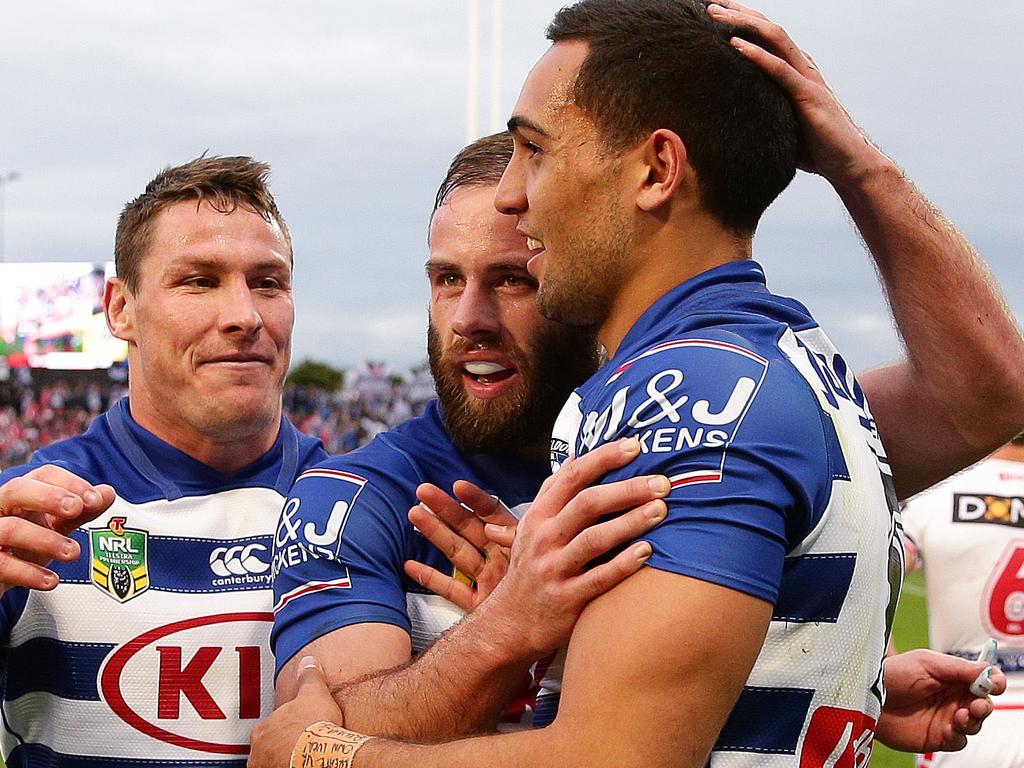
359 108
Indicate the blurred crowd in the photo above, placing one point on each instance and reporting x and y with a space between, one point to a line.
372 399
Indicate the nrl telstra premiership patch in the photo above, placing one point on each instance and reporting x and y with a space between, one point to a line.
118 555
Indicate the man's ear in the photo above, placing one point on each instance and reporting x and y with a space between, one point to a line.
668 170
119 308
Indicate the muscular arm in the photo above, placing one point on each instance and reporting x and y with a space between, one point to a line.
958 394
638 654
460 685
463 682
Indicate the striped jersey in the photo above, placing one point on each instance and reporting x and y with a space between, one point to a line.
344 535
154 648
780 490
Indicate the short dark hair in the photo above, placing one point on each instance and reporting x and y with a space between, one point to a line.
223 183
666 64
479 164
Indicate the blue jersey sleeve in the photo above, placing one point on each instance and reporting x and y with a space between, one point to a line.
744 444
338 558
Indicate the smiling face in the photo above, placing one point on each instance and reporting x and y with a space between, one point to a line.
567 192
209 331
502 370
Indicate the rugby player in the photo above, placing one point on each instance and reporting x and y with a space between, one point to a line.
965 534
502 371
155 647
619 211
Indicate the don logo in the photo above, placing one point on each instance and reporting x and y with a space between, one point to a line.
118 557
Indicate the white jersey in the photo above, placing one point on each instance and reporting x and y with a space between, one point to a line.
969 534
154 648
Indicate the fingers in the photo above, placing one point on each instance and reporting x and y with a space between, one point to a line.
487 507
463 554
590 505
952 740
998 681
314 691
598 540
454 515
730 4
502 535
25 547
776 38
601 578
32 539
56 493
450 589
969 719
18 572
579 473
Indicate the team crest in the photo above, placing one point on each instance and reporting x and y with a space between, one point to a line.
119 559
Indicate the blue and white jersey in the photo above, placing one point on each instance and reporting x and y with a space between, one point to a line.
154 648
344 534
780 489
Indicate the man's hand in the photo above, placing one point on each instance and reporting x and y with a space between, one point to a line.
274 738
832 144
929 707
550 577
459 528
37 511
476 531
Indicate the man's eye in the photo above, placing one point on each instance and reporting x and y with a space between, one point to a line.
517 281
200 282
532 148
268 283
449 281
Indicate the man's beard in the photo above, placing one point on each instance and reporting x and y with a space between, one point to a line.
558 359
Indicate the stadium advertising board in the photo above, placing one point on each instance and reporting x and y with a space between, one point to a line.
51 316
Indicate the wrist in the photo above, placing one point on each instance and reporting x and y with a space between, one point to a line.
502 633
871 172
325 743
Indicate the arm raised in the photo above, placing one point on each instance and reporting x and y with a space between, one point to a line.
958 394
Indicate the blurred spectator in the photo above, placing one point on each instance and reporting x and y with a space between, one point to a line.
33 415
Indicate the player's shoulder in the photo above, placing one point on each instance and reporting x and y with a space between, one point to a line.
386 467
701 368
696 390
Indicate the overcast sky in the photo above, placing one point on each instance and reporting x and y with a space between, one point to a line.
359 108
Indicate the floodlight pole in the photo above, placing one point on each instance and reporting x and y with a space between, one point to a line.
5 179
473 71
496 55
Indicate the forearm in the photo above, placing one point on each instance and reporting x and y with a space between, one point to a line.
536 749
957 397
460 685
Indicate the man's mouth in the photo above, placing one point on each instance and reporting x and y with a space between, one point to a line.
534 244
487 372
240 359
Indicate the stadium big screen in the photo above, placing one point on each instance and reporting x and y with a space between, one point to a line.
51 316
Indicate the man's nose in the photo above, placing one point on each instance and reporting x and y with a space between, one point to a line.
477 317
238 311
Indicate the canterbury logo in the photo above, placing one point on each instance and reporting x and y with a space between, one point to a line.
238 561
